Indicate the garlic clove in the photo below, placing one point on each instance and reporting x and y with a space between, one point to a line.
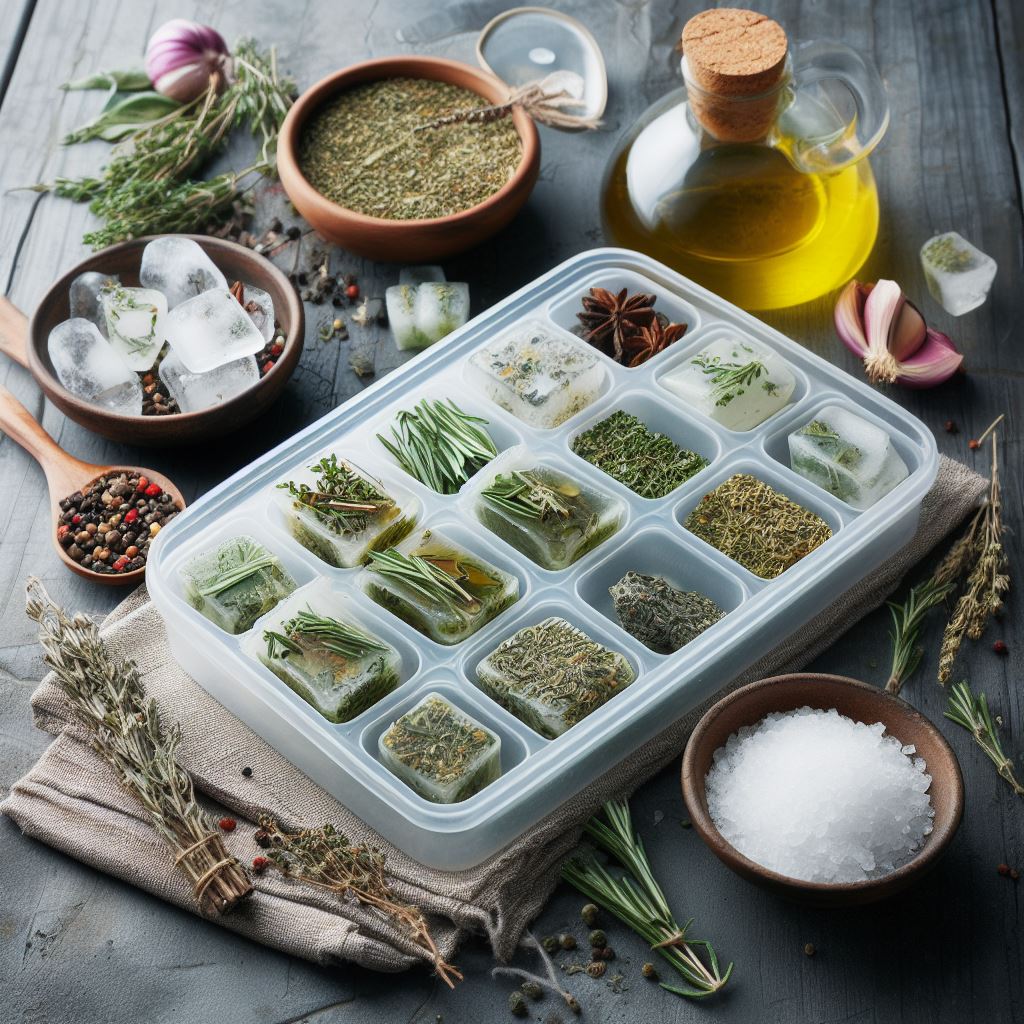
933 363
849 317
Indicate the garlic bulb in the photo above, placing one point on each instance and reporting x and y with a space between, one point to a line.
181 58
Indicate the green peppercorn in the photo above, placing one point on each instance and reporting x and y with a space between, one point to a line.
589 913
550 943
598 938
567 941
517 1004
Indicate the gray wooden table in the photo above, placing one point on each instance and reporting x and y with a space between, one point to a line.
76 946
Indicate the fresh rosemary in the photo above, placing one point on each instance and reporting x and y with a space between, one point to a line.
637 900
105 693
439 444
906 620
252 558
973 714
328 633
324 858
526 494
439 579
729 380
342 498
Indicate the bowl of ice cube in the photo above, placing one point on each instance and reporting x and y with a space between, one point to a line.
162 341
825 790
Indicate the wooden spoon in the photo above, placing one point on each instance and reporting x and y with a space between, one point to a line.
64 475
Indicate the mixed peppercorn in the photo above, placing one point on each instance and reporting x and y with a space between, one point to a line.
109 526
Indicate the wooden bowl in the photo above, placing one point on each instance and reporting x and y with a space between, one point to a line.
855 700
123 259
408 241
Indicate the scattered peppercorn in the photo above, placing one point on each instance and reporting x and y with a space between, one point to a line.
567 941
247 772
589 914
604 953
1000 648
550 943
598 938
517 1004
532 989
228 824
259 864
951 427
261 838
1003 869
1014 874
809 949
596 968
649 971
974 444
352 291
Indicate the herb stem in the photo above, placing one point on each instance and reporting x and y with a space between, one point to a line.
973 714
907 620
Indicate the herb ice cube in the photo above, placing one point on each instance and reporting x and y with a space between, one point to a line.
958 274
92 369
84 297
180 268
660 616
136 322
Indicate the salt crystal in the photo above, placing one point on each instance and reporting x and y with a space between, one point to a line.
819 797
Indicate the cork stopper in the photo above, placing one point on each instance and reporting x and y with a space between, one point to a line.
735 64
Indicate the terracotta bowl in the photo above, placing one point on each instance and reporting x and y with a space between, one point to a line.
858 701
123 259
409 241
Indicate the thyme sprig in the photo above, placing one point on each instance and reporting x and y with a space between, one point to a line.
428 576
525 494
329 633
637 900
731 379
343 498
106 695
325 858
439 444
973 714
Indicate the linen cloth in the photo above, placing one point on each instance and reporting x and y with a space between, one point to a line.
72 801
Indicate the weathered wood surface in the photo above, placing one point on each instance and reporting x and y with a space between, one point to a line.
78 947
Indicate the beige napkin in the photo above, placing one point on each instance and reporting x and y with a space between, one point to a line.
72 801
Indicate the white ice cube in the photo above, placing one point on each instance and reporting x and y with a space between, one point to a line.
537 375
958 274
210 330
179 268
196 391
260 307
84 297
736 381
91 369
417 275
441 307
847 456
401 305
136 318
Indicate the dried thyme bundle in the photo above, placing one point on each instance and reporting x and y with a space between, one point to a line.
660 616
324 858
107 697
757 526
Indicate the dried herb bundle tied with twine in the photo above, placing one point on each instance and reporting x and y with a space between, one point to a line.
124 727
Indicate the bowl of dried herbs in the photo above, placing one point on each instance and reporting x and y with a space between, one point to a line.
408 158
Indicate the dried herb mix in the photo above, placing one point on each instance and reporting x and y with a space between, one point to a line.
625 448
660 616
362 150
757 526
552 675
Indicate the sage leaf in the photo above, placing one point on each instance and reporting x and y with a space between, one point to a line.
133 80
125 116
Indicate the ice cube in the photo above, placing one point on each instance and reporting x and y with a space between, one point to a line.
543 512
235 583
441 308
847 456
84 297
136 320
316 644
441 752
538 376
401 305
210 330
260 307
736 381
196 391
91 369
344 537
179 268
417 275
958 274
438 587
552 675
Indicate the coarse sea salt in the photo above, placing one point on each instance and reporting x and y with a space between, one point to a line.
819 797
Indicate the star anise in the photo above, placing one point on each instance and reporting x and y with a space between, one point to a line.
612 319
652 339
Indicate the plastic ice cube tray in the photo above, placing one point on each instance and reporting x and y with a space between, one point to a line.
539 774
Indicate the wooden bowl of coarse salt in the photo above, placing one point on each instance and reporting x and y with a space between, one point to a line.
790 786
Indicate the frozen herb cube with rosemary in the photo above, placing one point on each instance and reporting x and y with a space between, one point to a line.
136 320
757 526
546 514
735 381
649 463
552 675
659 615
538 376
441 752
314 644
236 582
340 513
848 456
439 588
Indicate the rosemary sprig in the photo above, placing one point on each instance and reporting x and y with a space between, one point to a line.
907 619
439 444
731 379
525 494
325 858
637 900
425 576
106 695
252 562
973 714
339 637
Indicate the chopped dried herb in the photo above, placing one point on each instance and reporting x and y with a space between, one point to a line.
660 616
